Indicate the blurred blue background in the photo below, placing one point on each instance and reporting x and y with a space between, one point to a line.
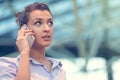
86 37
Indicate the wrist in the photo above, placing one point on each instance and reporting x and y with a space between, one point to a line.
25 52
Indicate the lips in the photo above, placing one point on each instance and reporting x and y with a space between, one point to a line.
46 38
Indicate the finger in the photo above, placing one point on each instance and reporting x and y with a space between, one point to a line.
19 38
26 32
30 33
23 32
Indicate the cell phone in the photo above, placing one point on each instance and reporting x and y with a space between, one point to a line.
30 38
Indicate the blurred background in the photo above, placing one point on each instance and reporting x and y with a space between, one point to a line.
86 37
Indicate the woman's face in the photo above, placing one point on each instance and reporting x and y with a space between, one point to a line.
41 22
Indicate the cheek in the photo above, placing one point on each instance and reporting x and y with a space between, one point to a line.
37 33
52 31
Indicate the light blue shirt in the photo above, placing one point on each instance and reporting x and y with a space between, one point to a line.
9 66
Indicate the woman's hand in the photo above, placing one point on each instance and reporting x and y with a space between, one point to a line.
22 41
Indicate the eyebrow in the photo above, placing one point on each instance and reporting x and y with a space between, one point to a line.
41 19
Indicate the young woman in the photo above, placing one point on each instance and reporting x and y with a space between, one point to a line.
32 64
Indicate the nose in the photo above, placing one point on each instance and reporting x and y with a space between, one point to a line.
46 28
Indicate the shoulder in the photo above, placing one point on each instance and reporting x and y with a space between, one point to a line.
6 61
8 67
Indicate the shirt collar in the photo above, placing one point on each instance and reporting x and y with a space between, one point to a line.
33 61
55 63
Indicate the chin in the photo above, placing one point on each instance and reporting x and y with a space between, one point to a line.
45 44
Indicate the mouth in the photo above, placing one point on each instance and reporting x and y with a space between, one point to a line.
46 37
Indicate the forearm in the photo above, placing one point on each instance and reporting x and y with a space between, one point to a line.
23 72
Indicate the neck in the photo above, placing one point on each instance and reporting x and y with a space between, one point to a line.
38 54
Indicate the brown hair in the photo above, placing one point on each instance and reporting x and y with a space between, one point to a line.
22 17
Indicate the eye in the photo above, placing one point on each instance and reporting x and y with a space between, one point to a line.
50 23
37 23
